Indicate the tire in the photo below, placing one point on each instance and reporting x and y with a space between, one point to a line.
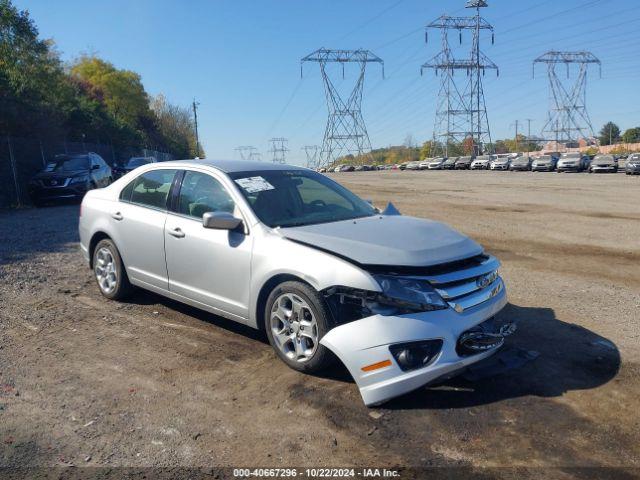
293 346
109 271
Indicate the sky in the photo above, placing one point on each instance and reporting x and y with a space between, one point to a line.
241 60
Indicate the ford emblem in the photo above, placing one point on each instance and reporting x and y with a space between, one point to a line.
483 281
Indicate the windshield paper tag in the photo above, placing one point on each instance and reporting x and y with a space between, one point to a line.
254 184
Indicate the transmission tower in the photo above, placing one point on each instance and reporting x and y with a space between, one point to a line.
312 153
346 132
279 149
246 152
568 120
461 112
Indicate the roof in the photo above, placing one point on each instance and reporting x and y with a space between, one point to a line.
230 166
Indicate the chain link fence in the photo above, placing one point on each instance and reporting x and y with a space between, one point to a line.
22 158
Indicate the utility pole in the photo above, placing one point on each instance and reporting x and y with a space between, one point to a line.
312 152
568 102
279 149
610 134
195 123
461 112
248 152
517 123
345 132
529 120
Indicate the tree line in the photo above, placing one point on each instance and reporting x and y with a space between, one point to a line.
86 99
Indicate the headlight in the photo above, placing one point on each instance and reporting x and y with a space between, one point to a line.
80 179
409 293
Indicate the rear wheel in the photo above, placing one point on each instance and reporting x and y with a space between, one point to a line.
109 271
296 319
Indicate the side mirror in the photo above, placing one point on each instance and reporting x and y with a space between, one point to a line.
220 221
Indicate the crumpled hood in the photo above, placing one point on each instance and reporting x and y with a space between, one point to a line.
388 240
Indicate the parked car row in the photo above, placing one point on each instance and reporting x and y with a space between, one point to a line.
71 176
566 162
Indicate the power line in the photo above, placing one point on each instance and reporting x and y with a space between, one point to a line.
279 149
346 132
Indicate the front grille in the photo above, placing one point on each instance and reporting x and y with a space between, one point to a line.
468 287
55 182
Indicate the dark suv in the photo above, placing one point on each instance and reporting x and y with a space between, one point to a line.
132 163
69 177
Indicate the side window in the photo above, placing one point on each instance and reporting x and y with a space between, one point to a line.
125 194
151 189
201 193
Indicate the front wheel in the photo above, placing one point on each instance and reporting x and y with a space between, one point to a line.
296 319
109 271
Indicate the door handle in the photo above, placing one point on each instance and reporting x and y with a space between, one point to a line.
176 232
117 216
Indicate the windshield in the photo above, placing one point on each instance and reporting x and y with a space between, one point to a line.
292 198
68 164
571 155
137 161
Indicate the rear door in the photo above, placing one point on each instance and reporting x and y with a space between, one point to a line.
140 216
211 268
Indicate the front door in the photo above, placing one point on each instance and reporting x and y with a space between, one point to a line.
207 266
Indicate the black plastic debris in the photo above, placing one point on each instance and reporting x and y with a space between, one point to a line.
507 359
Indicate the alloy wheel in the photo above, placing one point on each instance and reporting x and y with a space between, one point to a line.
294 327
105 270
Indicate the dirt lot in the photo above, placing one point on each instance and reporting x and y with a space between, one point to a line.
85 381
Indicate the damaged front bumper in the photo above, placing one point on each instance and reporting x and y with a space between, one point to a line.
363 346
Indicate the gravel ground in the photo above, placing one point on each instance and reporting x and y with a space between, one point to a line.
86 381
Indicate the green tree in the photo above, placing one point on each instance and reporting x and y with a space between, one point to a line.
609 134
427 150
176 127
121 91
33 86
631 135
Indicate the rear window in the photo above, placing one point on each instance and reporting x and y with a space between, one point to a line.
150 189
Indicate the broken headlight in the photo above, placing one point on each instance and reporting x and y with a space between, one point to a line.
408 294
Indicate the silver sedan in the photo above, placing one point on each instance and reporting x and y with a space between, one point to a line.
400 301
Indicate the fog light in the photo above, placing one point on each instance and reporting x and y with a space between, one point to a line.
413 355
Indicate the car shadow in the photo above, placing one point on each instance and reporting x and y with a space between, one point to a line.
337 371
146 298
546 357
